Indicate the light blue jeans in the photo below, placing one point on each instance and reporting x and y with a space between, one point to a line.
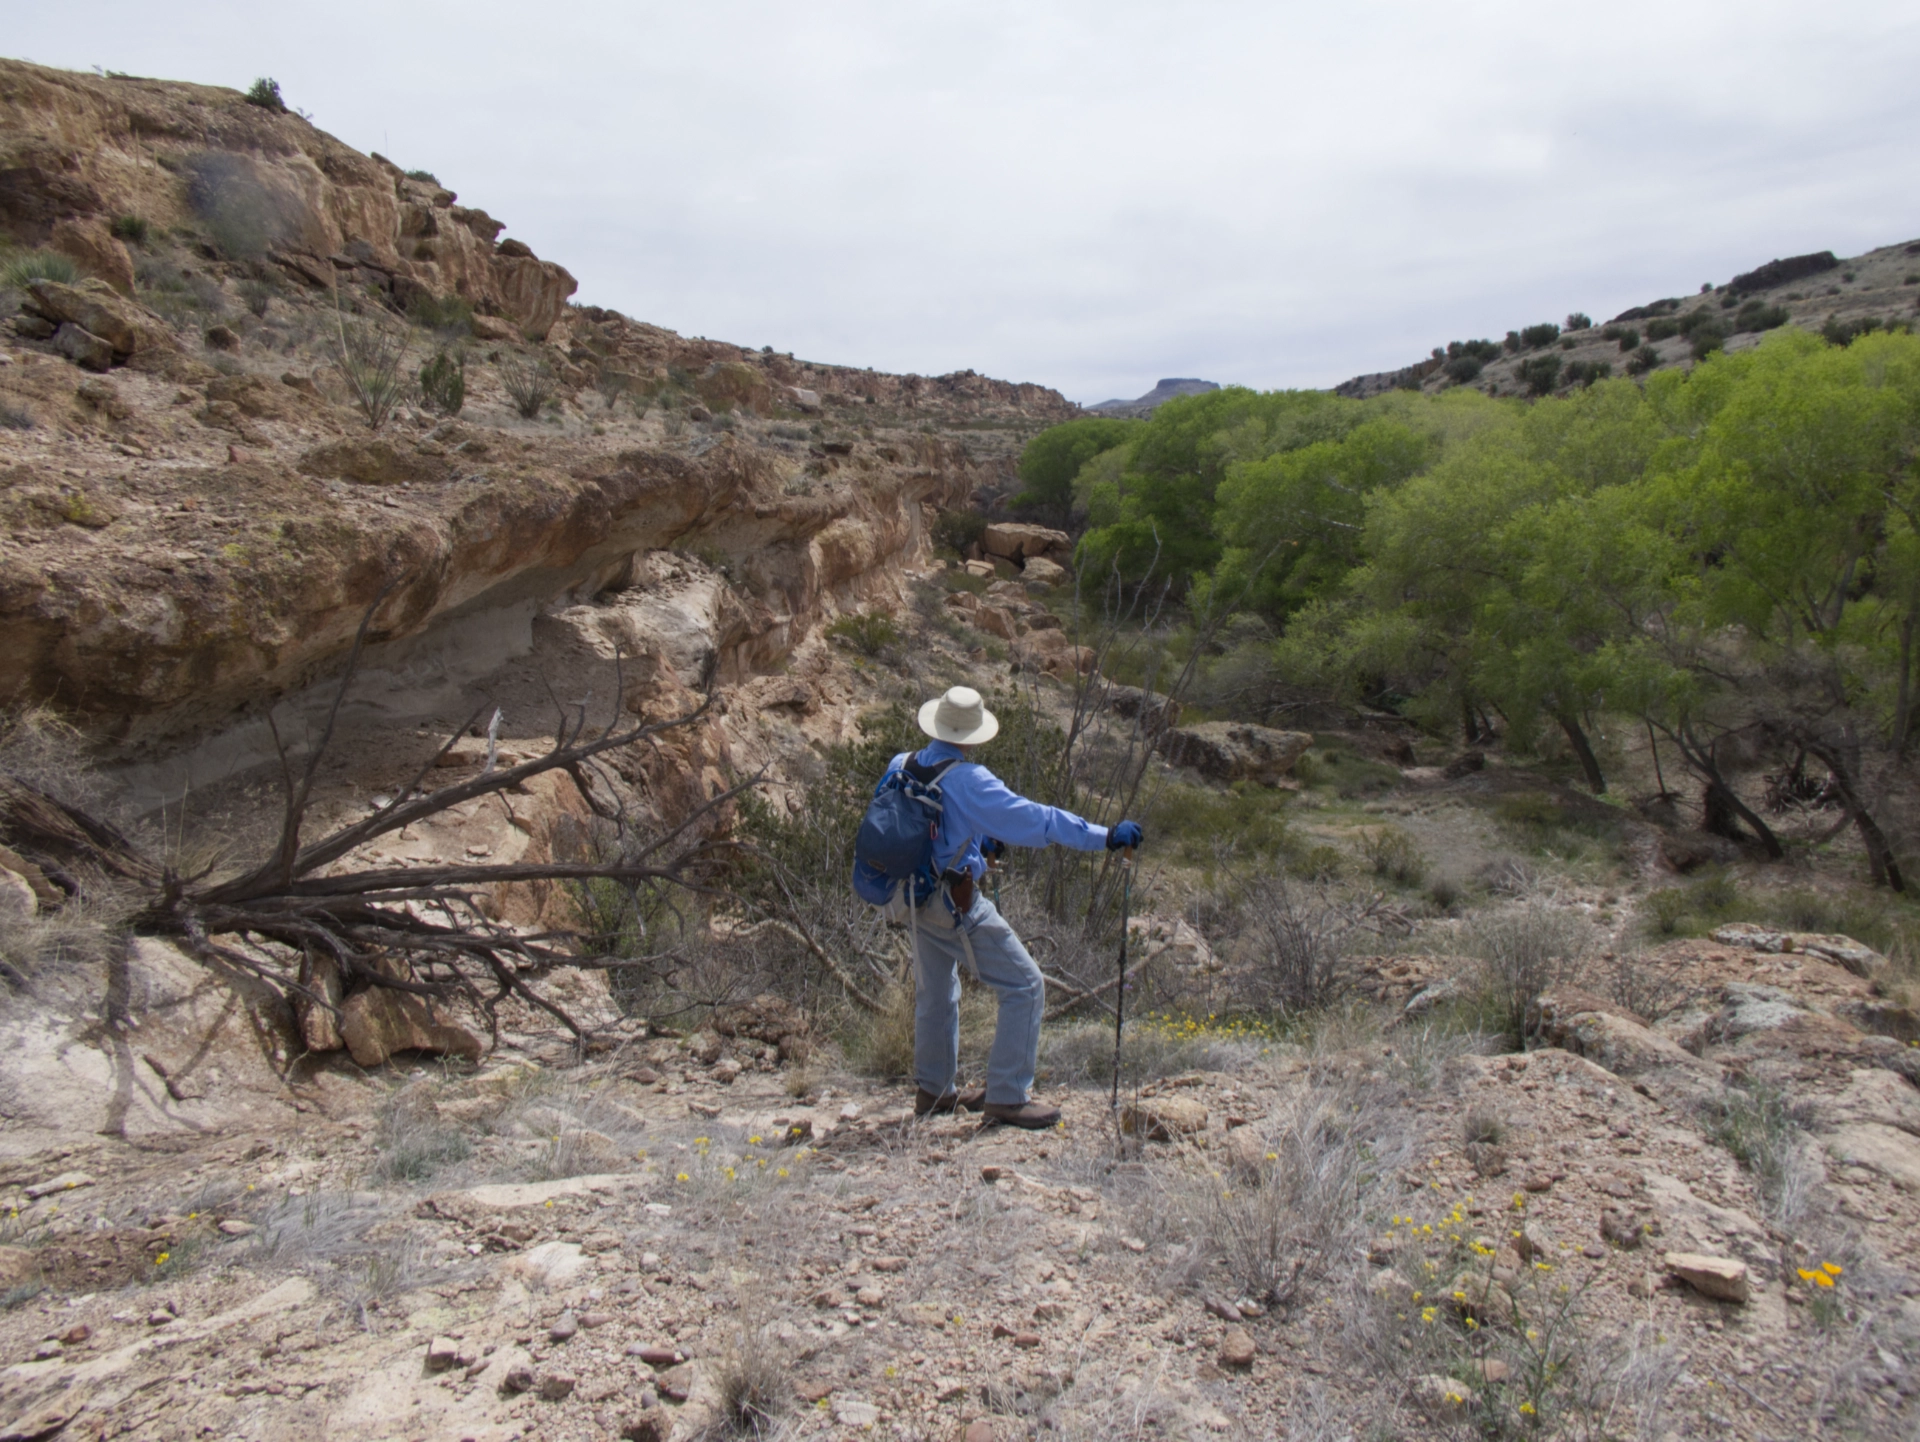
1003 964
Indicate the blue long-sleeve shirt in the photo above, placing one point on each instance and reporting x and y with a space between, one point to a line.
978 804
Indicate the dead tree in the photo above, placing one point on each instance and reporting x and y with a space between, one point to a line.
420 930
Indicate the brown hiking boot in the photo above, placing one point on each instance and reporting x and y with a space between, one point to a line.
1033 1116
925 1103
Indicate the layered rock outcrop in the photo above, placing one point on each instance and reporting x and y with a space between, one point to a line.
77 151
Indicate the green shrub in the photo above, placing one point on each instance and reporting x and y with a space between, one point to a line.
258 296
1624 335
1480 350
1642 361
132 228
869 634
265 93
426 177
1535 336
1321 863
38 265
530 385
1202 823
443 382
1585 373
1844 332
1539 374
956 530
1758 315
1704 340
1462 369
450 315
1394 856
1662 328
1579 320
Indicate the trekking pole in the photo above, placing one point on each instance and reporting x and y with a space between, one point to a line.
1120 993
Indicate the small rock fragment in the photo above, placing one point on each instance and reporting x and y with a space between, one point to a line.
1442 1398
556 1386
1026 1339
565 1329
519 1378
234 1227
65 1182
1237 1349
442 1354
1223 1309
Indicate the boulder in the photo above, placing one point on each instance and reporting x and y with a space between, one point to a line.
94 307
319 1013
371 463
492 328
994 620
92 247
1163 1119
1601 1032
1047 573
1152 937
983 569
1842 951
82 347
380 1021
1017 541
1157 713
17 901
1232 751
1721 1278
1050 652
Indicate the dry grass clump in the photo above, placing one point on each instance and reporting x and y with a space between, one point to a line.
1283 1230
753 1386
1523 950
1157 1045
415 1142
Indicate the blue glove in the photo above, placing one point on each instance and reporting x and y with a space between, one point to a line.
1126 835
993 847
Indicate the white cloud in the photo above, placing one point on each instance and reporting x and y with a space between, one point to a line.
1094 195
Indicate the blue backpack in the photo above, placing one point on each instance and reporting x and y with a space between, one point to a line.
895 842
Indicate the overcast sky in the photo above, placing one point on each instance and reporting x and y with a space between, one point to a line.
1095 195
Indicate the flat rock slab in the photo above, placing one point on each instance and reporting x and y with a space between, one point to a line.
1721 1278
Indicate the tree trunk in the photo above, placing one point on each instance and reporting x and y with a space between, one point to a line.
1903 706
1589 763
1721 805
1881 862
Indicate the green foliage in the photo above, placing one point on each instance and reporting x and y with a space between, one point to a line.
1535 336
131 228
1662 328
1462 369
449 315
956 530
1643 360
1624 335
1758 315
265 93
1579 320
38 265
1539 374
1394 856
1057 455
1585 373
424 176
1202 824
869 633
443 382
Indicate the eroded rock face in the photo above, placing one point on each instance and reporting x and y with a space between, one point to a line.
1231 751
1017 541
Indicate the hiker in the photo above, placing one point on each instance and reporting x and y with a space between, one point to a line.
952 920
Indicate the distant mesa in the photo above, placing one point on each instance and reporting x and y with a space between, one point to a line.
1165 391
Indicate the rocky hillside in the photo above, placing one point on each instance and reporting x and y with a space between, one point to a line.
1819 292
198 511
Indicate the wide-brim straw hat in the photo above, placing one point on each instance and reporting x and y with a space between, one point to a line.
961 717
